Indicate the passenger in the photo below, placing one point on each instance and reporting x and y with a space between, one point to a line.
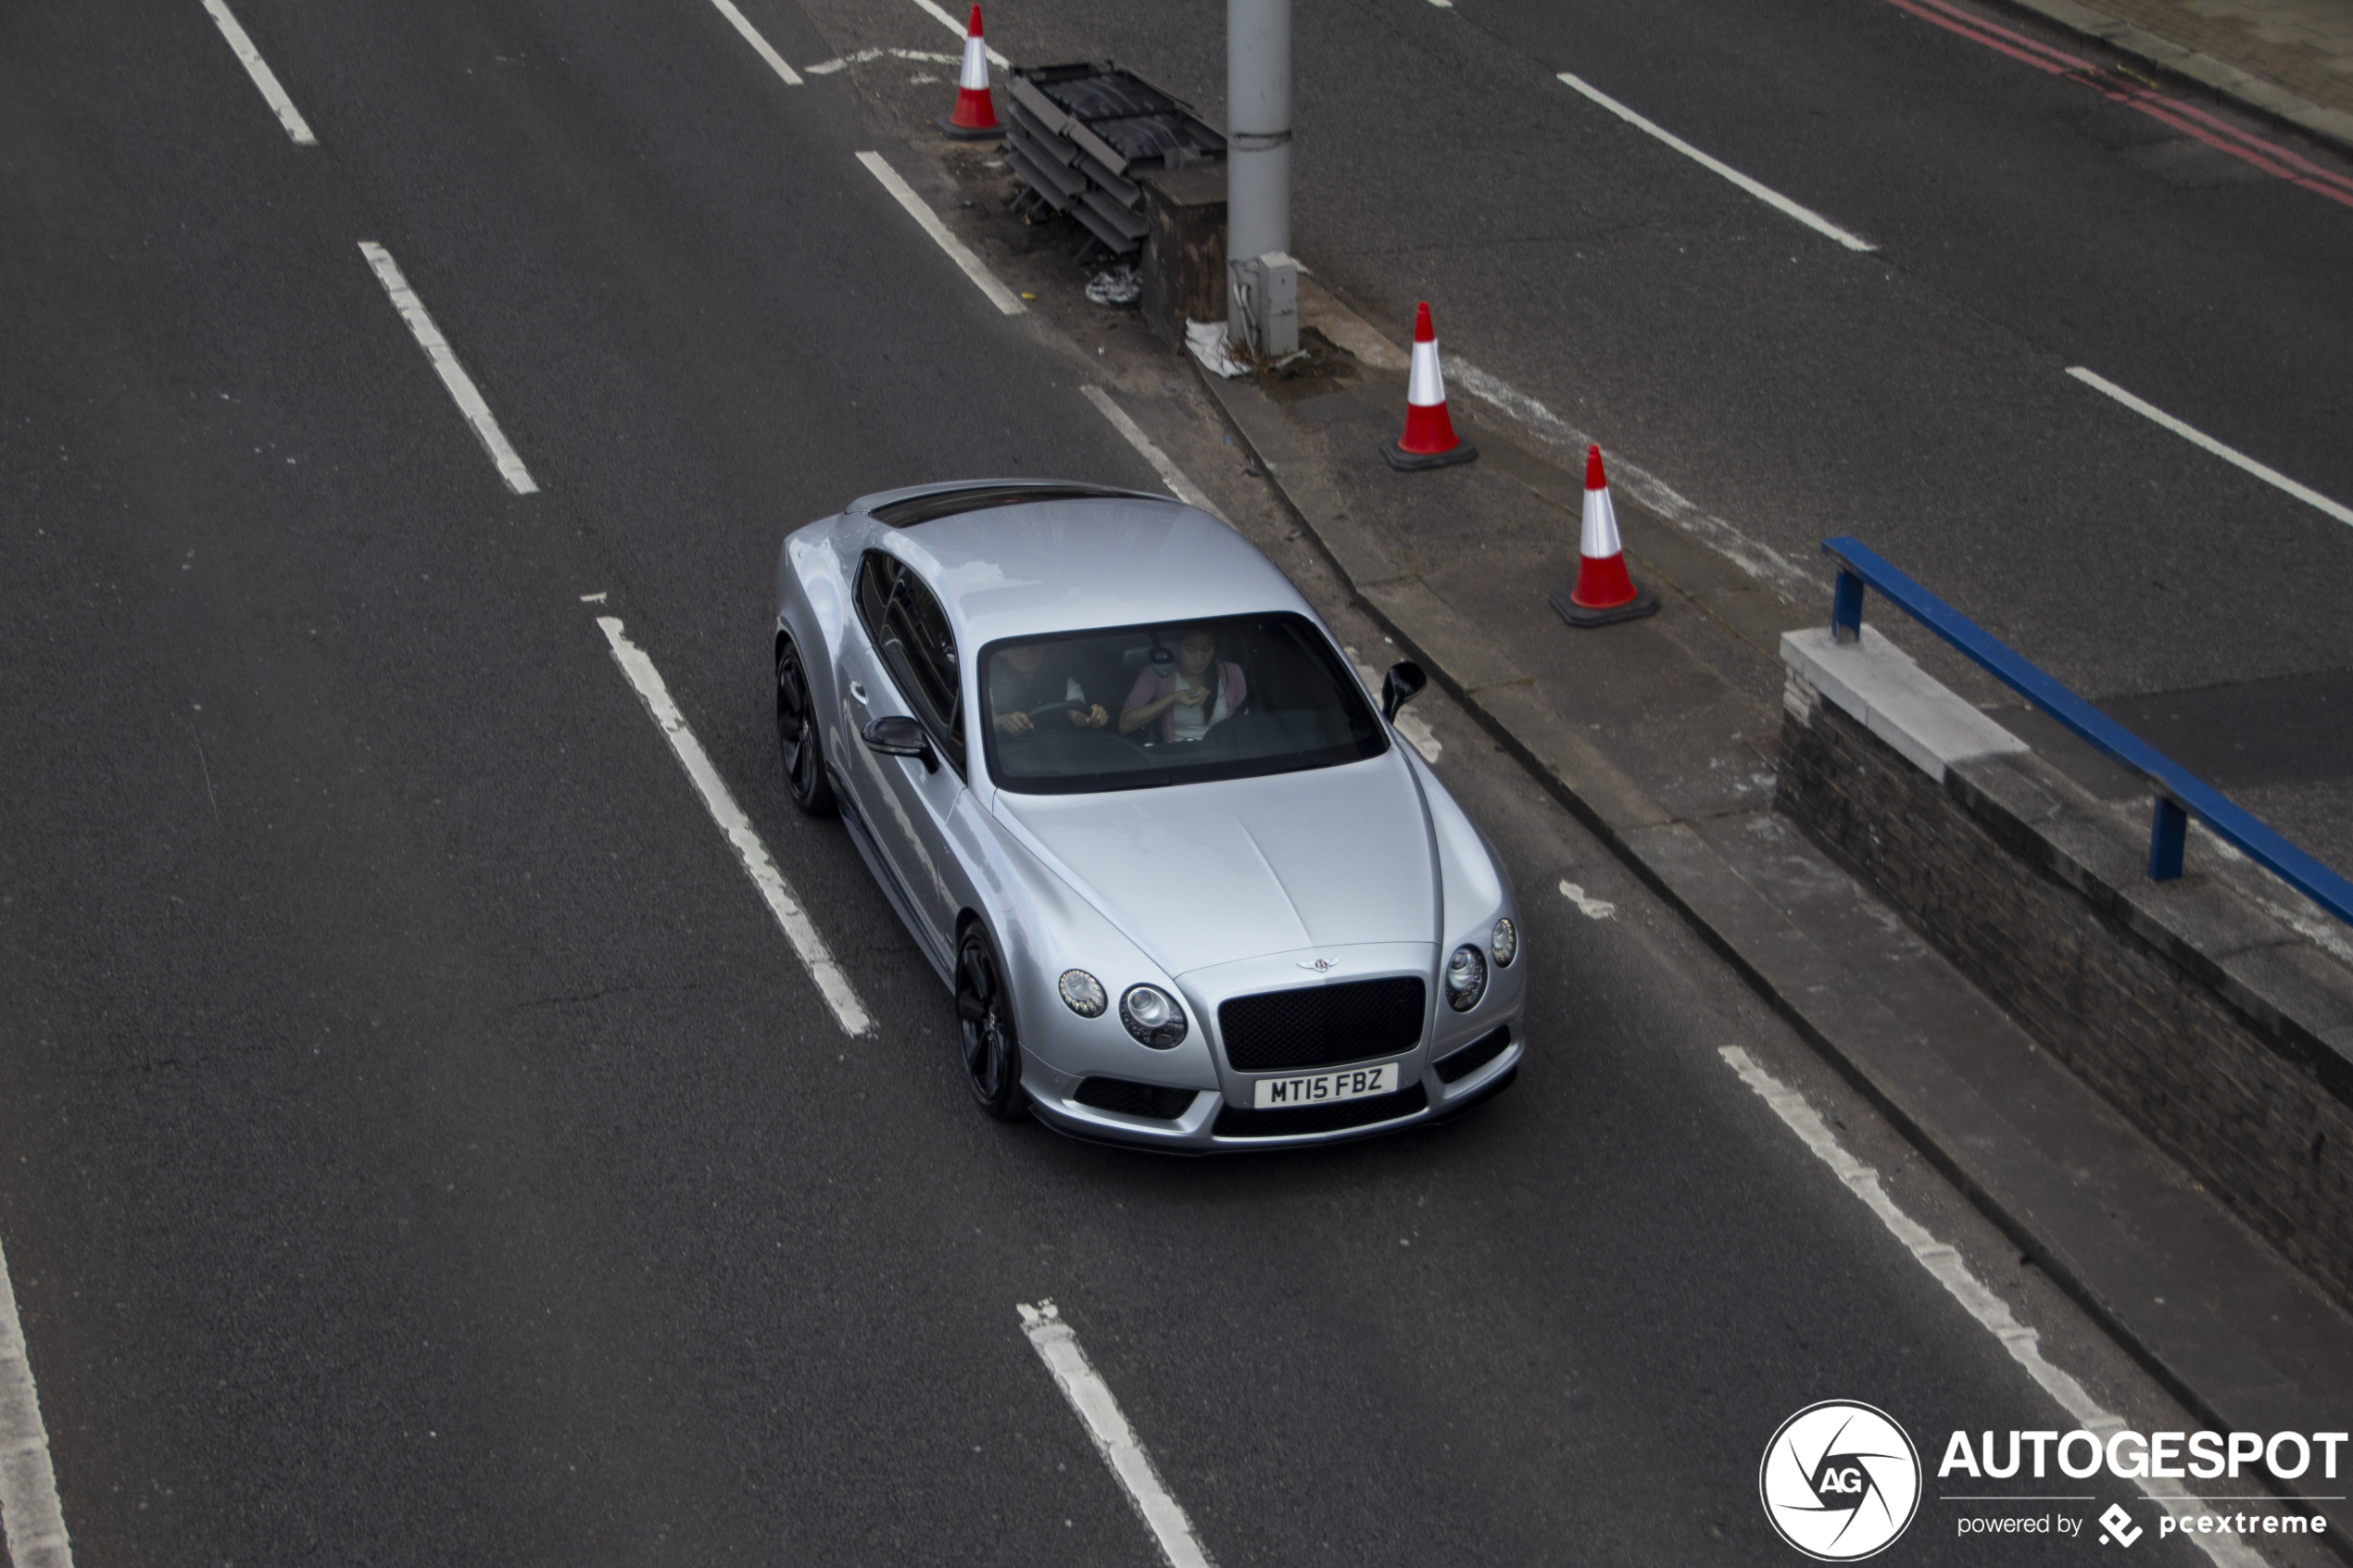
1187 700
1020 679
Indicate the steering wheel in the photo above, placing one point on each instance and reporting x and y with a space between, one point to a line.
1060 708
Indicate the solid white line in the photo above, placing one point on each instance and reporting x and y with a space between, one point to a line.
1989 1310
36 1525
832 982
1057 1346
998 295
952 25
1765 194
263 77
2311 497
1170 475
752 36
453 375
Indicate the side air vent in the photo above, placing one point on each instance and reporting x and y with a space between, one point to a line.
1135 1099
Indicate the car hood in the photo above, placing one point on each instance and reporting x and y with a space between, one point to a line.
1207 873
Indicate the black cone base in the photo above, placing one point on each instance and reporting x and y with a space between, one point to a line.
965 134
1413 462
1644 603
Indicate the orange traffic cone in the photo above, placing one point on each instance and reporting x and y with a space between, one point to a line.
976 115
1605 592
1429 441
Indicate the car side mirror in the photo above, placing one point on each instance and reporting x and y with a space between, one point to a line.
895 735
1399 686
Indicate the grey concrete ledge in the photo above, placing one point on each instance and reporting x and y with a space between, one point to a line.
2191 69
1877 685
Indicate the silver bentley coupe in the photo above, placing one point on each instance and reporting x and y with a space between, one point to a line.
1187 885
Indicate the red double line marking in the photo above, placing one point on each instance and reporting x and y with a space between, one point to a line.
2186 118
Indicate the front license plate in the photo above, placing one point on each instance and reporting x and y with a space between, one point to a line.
1323 1089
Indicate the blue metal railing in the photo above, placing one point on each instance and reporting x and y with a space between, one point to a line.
2179 794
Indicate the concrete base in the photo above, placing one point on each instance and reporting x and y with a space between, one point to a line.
1415 462
1644 603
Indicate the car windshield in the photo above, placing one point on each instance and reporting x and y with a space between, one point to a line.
1139 707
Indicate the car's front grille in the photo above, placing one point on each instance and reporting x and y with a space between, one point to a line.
1319 1025
1457 1066
1135 1099
1243 1121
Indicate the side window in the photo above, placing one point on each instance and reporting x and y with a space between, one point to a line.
921 653
877 574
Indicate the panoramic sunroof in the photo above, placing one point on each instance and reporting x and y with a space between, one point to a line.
953 503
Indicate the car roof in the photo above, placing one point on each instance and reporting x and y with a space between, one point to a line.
1085 561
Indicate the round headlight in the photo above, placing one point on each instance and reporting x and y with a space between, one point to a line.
1152 1016
1083 993
1466 978
1505 942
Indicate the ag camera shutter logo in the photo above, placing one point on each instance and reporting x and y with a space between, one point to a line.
1840 1480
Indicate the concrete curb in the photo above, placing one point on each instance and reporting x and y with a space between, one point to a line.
2210 1364
2191 69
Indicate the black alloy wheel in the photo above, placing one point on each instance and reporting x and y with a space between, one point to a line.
804 762
985 1026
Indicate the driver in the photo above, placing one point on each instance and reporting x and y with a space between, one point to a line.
1020 679
1189 699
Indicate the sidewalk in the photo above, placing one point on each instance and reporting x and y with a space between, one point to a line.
1662 736
2290 61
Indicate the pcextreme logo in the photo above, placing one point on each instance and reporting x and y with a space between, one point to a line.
1840 1480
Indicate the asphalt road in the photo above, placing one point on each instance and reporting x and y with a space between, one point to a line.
1916 396
416 1142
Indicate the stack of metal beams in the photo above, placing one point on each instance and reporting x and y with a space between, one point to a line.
1080 136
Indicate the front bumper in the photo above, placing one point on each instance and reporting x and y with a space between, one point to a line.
1426 1097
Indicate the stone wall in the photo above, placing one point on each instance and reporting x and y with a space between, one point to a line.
2216 1012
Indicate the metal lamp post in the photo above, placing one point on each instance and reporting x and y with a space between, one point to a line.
1261 279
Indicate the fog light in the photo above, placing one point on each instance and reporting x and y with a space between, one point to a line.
1466 978
1152 1016
1505 942
1083 993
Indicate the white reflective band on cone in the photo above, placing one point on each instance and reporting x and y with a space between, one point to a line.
1426 388
1598 538
976 76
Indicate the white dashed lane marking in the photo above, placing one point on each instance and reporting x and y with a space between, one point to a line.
760 45
956 26
1993 1314
1763 192
263 77
920 211
833 981
1090 1398
453 375
36 1525
2197 437
1179 485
